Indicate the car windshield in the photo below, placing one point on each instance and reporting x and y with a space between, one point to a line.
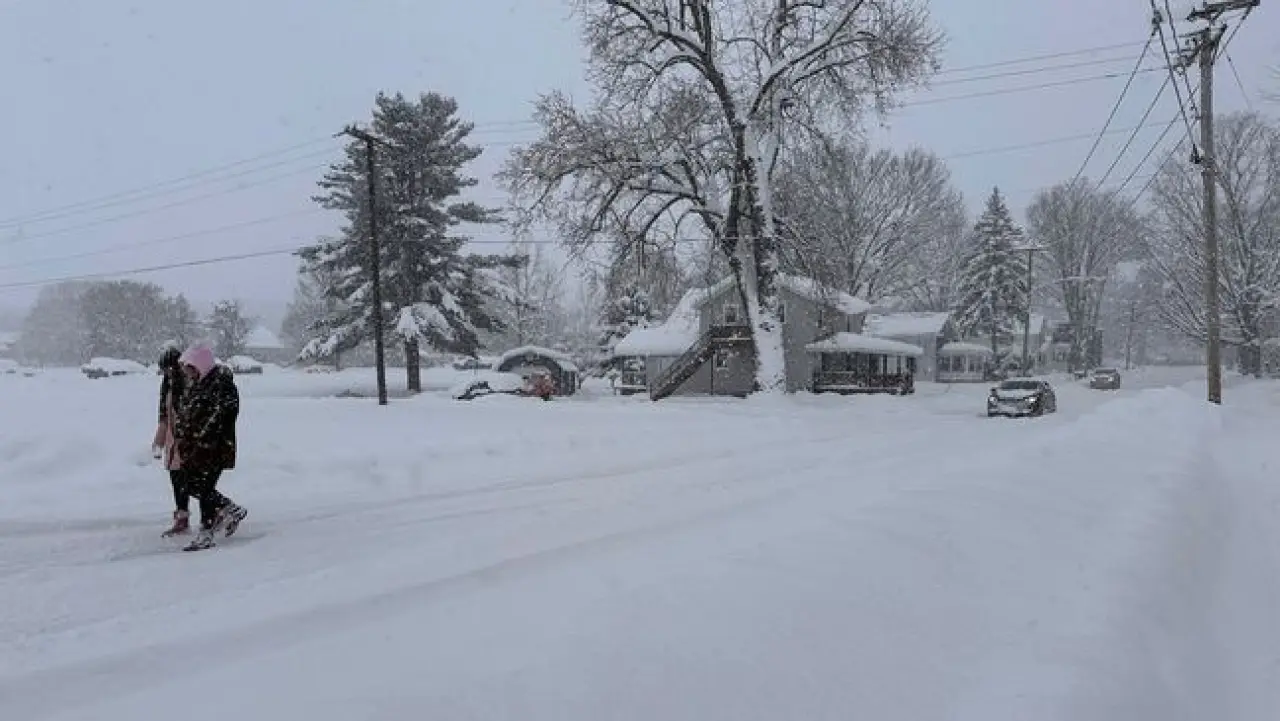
1106 372
1020 386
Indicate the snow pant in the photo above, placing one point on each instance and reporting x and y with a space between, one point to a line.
181 499
202 485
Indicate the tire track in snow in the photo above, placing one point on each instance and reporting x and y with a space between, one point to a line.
45 692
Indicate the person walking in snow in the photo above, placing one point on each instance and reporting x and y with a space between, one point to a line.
205 438
172 384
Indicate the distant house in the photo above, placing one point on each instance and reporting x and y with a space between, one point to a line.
1011 344
705 347
265 346
1055 349
927 330
964 362
8 344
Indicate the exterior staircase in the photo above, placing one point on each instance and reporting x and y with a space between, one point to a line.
718 337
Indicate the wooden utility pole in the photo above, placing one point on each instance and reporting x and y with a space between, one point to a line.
1026 323
375 257
1204 47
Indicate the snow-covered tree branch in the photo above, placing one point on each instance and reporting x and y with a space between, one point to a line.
696 98
1248 161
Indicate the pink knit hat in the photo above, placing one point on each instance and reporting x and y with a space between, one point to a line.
199 357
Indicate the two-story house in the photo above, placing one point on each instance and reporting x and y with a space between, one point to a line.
705 347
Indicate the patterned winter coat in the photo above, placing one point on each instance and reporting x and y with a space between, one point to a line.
172 386
206 426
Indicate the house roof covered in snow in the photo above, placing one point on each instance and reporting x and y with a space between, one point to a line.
670 338
858 343
962 348
562 359
262 337
8 339
807 288
904 325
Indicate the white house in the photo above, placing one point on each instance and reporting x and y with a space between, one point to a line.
928 330
264 345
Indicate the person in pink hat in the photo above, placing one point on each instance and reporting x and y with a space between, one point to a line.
205 440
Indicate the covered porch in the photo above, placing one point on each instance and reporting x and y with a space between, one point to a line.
852 363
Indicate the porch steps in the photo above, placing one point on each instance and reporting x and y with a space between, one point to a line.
682 369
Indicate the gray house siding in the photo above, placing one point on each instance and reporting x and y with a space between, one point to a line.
804 321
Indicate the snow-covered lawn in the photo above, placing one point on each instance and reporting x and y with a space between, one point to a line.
599 557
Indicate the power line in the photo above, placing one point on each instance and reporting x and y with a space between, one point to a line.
144 192
1034 58
157 209
1042 143
41 215
1033 71
1028 88
163 240
1240 84
1116 107
174 191
1133 136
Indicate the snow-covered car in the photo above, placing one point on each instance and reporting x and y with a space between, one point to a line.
244 365
1105 379
488 383
478 363
1022 397
109 367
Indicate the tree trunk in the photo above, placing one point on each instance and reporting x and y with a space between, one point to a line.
761 287
413 366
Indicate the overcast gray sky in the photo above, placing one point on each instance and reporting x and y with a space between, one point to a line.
105 96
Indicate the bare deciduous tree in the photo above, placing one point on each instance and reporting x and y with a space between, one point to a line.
696 97
1248 153
1085 233
870 222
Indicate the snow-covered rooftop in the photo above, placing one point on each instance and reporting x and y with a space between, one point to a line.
900 325
8 338
563 359
262 337
671 338
962 348
807 288
858 343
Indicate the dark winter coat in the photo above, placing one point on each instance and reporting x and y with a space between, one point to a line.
206 426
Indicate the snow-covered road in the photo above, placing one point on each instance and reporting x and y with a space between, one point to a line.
607 558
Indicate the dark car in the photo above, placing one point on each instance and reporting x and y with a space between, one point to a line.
1105 379
1022 397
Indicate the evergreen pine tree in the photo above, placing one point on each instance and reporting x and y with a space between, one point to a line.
628 308
229 328
433 293
993 284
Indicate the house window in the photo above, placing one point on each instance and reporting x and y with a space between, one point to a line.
782 312
732 314
721 360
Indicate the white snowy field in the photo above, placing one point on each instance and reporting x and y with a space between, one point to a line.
599 557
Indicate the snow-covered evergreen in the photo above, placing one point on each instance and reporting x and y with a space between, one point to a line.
433 292
993 283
